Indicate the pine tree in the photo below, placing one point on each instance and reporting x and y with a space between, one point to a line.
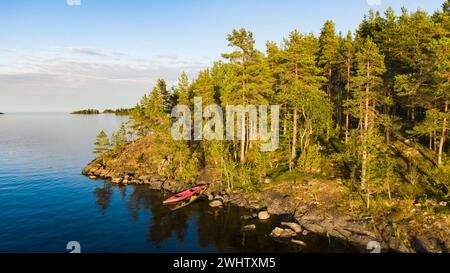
328 51
119 138
299 88
417 31
440 76
184 94
388 46
138 118
370 68
102 144
203 87
429 126
249 80
150 114
348 54
371 26
161 88
243 40
156 109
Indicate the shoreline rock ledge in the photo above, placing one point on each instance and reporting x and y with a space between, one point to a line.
309 217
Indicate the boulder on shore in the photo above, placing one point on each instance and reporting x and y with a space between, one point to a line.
282 233
276 232
92 177
215 203
294 226
263 215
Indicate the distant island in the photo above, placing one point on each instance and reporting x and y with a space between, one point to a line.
86 112
2 113
118 112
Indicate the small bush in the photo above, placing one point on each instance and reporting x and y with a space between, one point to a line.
310 159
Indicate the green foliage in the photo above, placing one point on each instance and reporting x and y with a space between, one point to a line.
248 79
119 138
310 159
183 94
238 175
122 111
102 144
328 53
150 114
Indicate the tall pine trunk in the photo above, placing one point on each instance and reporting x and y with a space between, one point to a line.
243 132
434 140
443 135
294 139
364 180
243 123
347 114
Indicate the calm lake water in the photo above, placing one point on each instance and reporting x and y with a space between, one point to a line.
45 202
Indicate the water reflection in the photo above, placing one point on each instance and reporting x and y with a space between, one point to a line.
162 223
103 196
219 229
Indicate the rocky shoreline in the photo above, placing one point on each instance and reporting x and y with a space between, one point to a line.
310 217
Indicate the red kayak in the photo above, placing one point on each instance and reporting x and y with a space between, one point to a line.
185 194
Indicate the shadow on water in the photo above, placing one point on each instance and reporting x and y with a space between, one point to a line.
219 229
103 196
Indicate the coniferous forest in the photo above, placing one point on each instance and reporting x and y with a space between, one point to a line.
366 112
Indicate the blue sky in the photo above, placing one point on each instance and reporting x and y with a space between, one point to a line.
108 53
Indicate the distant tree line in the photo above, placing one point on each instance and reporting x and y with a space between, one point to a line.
118 112
86 112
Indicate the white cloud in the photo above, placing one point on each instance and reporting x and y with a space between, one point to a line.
72 78
73 2
85 51
82 65
373 2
